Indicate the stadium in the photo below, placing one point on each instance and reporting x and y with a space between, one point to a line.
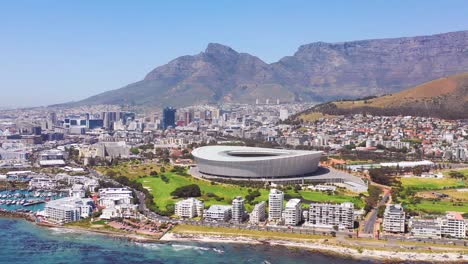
270 165
249 162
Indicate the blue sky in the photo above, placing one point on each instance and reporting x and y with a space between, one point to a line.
59 51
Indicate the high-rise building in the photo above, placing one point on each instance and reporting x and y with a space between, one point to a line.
394 219
238 210
258 213
283 114
108 119
275 205
169 117
293 212
329 215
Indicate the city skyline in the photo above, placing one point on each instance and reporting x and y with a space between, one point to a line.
90 48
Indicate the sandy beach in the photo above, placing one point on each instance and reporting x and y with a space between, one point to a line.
325 248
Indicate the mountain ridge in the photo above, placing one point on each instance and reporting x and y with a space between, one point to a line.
318 71
445 97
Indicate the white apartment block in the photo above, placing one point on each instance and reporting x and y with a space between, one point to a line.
394 219
425 228
329 215
453 225
275 205
68 209
293 212
189 208
43 183
238 210
219 213
258 213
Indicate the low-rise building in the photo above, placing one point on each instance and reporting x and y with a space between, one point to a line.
425 228
219 213
189 208
394 219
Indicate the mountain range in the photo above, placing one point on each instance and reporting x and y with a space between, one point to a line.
316 72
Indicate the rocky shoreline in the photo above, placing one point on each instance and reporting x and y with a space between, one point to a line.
321 246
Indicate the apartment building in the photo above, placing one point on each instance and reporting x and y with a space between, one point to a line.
68 209
394 219
453 225
238 210
329 215
293 212
275 205
189 208
219 213
258 213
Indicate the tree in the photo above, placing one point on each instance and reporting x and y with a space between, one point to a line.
135 151
191 190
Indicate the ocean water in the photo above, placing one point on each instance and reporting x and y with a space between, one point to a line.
23 242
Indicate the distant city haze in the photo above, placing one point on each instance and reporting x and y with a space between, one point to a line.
59 51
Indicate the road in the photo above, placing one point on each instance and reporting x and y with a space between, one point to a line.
370 222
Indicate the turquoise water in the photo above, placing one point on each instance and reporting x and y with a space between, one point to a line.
23 242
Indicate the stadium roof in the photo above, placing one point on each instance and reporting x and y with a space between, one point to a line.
241 153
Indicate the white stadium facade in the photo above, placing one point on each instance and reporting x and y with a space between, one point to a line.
265 164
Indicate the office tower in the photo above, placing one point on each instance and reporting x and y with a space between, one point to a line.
168 117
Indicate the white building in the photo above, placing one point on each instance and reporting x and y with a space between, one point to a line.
425 228
258 213
293 212
77 191
394 219
219 213
238 210
43 183
275 205
189 208
329 215
453 225
68 209
109 197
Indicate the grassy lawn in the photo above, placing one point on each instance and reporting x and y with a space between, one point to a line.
131 170
162 190
456 194
439 207
433 184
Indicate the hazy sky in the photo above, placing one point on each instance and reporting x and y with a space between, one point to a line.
59 51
